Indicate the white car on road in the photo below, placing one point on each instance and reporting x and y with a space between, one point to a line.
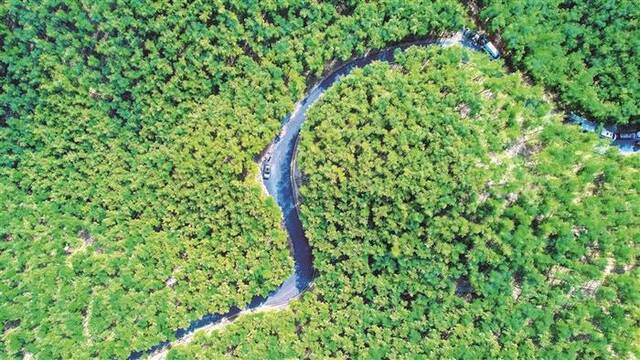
266 171
608 134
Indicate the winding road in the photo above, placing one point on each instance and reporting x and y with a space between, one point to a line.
280 186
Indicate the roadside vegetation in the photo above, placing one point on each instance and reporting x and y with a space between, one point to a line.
128 200
587 52
451 216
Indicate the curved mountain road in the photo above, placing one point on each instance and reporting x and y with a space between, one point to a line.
281 185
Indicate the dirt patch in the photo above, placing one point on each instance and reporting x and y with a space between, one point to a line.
591 287
86 237
171 282
554 274
86 332
10 325
516 287
463 110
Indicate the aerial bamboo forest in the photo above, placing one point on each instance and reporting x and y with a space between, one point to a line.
452 216
450 210
586 53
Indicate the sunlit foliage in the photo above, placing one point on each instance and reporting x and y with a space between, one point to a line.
588 52
452 216
128 131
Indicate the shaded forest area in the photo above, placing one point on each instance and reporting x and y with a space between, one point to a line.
586 52
452 216
128 200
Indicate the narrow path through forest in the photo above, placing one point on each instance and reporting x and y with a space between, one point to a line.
282 186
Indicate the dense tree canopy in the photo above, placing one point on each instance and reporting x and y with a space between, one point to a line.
128 200
452 216
588 52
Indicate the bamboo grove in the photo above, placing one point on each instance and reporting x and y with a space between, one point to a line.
587 52
453 216
128 200
449 212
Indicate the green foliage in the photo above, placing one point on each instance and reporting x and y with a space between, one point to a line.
452 217
269 335
127 138
588 52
